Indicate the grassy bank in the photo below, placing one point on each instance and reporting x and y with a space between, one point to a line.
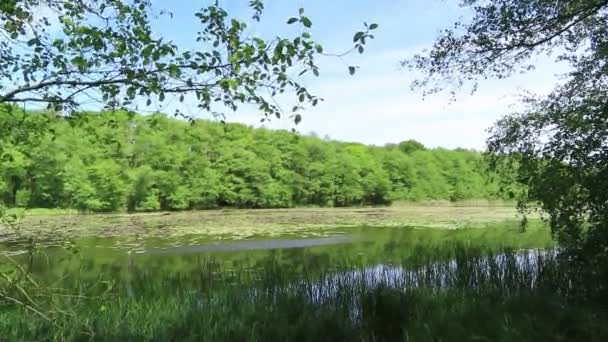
469 297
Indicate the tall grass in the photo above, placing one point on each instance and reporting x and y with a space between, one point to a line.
471 296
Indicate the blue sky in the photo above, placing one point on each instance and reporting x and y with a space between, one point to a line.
376 106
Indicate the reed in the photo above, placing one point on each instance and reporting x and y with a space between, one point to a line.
469 295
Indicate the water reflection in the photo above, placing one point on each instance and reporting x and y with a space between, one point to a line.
197 262
501 273
251 245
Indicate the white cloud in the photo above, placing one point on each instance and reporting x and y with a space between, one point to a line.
377 106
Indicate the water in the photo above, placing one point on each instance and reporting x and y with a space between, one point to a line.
359 250
249 245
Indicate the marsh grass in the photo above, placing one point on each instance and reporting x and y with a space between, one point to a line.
470 295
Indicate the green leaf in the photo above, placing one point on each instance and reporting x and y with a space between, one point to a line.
351 70
358 36
373 26
297 119
306 22
292 20
80 62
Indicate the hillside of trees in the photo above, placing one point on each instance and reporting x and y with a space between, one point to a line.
125 161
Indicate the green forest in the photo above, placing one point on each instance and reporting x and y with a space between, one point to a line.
117 161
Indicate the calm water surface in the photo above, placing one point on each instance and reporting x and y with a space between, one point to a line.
190 258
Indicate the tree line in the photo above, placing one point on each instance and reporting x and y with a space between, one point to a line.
119 161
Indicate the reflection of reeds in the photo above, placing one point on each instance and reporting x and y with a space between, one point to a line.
470 294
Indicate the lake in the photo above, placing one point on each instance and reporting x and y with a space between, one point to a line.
362 239
418 273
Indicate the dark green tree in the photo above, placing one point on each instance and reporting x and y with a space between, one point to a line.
410 146
558 146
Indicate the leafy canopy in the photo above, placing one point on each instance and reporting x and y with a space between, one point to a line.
116 161
559 144
63 53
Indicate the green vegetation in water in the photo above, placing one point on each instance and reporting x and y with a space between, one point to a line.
359 245
118 161
472 295
358 289
247 224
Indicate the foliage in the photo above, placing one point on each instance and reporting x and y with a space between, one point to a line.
558 146
504 297
62 53
117 161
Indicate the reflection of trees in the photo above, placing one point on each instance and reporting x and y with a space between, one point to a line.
203 271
